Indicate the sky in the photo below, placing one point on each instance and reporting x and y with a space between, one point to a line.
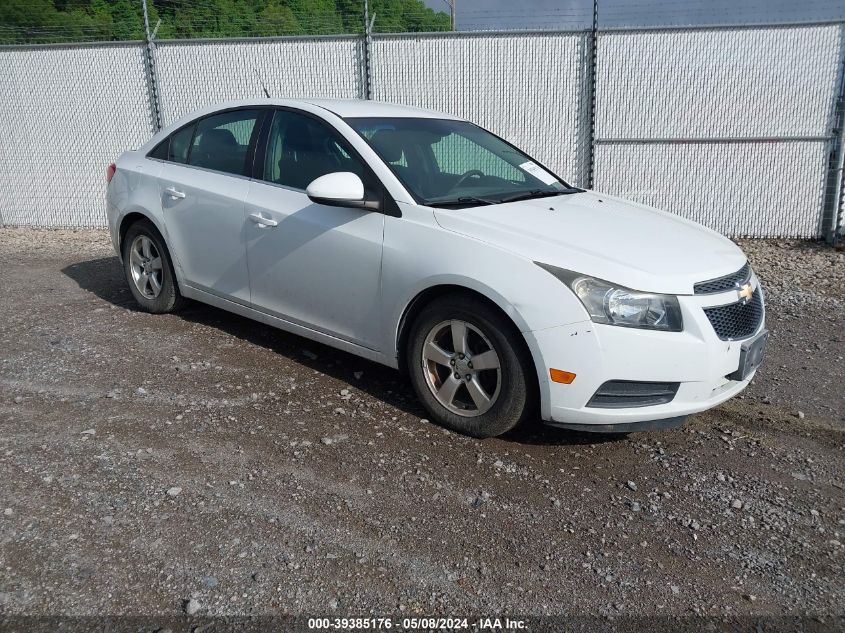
551 14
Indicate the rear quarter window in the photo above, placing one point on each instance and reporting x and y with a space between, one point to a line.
175 147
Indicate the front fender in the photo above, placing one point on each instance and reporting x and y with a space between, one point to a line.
533 298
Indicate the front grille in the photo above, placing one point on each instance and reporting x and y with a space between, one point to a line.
621 394
737 320
721 284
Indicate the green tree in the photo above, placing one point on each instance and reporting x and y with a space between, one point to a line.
23 20
277 19
80 20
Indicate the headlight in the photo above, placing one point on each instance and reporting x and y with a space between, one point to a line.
616 305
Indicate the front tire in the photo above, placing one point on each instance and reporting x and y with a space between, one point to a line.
148 269
470 367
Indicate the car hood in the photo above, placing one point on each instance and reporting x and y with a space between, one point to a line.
602 236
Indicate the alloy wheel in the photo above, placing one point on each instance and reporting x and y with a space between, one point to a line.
146 267
461 368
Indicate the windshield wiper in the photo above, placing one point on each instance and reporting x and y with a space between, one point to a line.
465 201
539 193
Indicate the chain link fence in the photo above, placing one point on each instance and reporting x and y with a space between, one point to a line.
731 128
192 73
66 112
738 128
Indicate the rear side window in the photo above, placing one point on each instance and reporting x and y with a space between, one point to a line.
175 147
222 141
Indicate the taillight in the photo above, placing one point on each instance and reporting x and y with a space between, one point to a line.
110 172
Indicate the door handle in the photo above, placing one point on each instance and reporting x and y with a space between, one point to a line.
174 193
261 220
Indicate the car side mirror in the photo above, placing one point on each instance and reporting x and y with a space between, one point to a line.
340 189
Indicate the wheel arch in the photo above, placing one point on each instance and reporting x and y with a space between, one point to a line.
433 292
134 216
131 218
508 311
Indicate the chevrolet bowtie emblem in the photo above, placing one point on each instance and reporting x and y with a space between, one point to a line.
746 292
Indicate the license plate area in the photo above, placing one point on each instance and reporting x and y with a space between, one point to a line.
751 355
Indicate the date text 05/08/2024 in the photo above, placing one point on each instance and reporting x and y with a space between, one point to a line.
420 623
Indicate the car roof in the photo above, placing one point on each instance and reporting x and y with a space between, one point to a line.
341 107
367 108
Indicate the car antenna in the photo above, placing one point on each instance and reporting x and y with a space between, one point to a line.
261 81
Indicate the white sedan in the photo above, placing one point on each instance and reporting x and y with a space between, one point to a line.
423 242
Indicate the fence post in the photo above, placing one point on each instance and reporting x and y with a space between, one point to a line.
150 69
366 74
587 116
832 216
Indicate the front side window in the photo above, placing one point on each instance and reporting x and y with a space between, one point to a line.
301 148
455 163
222 141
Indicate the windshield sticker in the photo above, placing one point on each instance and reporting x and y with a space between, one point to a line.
538 172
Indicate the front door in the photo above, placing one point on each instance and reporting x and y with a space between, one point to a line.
311 264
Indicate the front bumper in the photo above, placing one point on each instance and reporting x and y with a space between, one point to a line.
623 427
696 358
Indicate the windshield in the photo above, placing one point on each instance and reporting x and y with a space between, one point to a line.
455 163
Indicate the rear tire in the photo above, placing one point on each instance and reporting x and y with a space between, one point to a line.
470 367
148 269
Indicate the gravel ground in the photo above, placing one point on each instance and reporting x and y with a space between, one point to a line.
805 311
153 464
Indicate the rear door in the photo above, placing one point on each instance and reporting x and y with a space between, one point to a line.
203 186
315 265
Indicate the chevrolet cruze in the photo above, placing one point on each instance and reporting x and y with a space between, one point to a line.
426 243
